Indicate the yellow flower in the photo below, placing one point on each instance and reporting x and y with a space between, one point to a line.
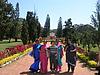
10 58
92 63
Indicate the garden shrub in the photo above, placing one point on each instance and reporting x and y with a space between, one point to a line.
92 55
92 63
82 56
90 58
85 59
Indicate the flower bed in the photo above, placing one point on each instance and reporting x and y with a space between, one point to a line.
92 63
14 57
86 59
14 50
91 54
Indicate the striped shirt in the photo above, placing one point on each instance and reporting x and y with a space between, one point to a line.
53 49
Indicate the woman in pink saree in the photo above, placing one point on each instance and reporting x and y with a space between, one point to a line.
43 58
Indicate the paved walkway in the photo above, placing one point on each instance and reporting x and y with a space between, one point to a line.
21 66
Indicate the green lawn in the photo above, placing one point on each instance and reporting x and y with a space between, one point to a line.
94 49
4 44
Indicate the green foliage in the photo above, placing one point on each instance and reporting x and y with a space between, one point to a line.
87 35
5 17
67 29
96 22
31 27
17 26
92 64
17 11
38 28
70 31
9 21
46 28
24 33
59 29
34 26
4 44
92 55
86 59
83 57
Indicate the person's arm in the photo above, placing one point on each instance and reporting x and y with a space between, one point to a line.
65 48
48 49
31 53
40 47
62 47
62 53
56 49
74 49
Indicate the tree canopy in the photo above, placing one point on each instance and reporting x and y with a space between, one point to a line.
59 29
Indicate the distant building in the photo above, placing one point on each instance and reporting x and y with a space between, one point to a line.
52 35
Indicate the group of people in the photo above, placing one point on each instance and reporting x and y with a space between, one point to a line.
54 52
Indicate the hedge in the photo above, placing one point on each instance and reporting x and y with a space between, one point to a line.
83 58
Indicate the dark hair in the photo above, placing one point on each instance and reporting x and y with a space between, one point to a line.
52 42
67 44
36 40
45 41
61 41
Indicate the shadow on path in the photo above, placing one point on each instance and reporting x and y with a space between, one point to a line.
49 73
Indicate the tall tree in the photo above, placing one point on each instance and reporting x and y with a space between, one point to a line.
3 15
9 22
38 27
96 22
87 33
32 25
5 19
29 18
16 22
17 11
67 29
24 32
46 28
59 29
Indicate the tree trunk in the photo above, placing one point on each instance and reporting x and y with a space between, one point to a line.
15 39
1 38
88 48
29 41
9 40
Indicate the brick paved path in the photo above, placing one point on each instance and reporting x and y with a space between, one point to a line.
21 66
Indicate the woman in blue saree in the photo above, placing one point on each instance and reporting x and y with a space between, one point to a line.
36 54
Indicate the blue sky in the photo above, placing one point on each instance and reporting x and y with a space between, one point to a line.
79 10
